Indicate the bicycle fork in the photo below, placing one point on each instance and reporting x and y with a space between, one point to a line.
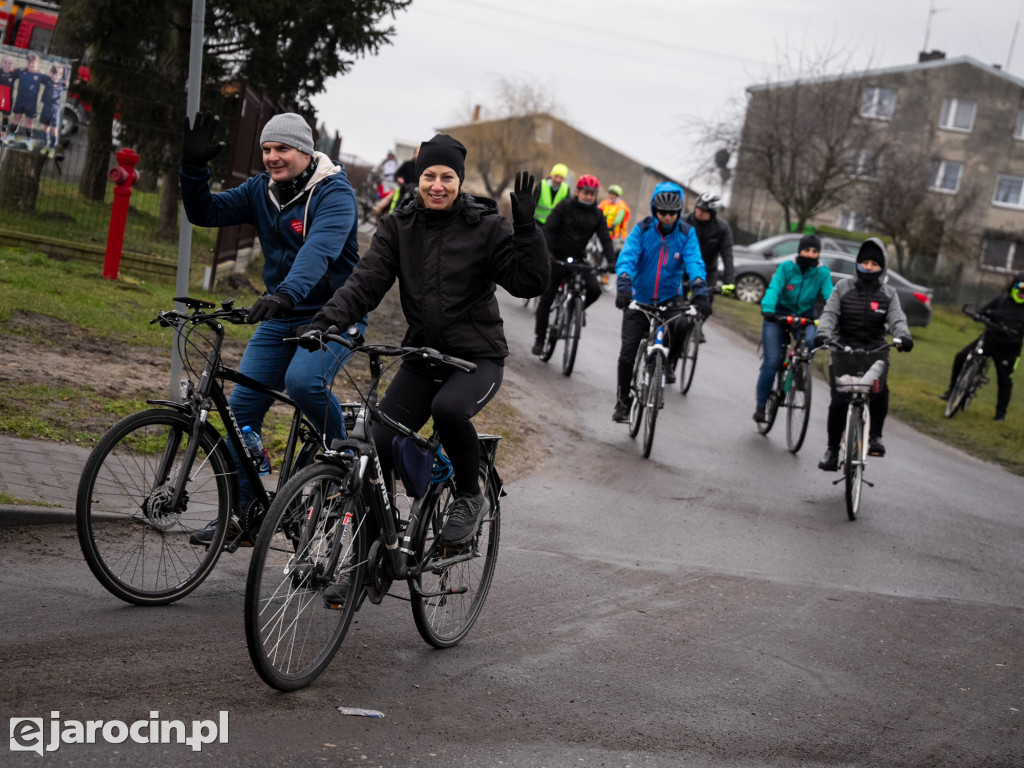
865 419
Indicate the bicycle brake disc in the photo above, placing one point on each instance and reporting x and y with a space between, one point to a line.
378 582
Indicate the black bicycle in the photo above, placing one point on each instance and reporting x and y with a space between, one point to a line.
793 385
567 317
159 476
336 535
974 373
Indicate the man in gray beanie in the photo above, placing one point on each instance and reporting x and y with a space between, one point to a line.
304 212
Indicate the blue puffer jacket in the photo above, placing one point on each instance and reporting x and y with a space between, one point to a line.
793 292
657 264
309 244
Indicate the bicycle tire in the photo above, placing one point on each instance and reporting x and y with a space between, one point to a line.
853 462
443 613
136 547
798 404
655 397
688 360
960 389
638 391
574 326
554 326
771 406
291 630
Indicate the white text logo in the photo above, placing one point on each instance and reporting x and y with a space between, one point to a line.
28 734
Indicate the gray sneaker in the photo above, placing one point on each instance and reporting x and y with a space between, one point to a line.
464 518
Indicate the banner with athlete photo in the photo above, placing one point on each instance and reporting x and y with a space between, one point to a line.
33 90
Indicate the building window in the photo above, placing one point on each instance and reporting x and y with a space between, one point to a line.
852 221
1000 254
958 115
946 176
1009 191
878 103
864 163
1018 129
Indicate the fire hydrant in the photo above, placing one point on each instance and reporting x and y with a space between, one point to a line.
123 177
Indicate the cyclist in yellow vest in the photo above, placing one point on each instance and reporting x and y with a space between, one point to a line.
616 215
551 192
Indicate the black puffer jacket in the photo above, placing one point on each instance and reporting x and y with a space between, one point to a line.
447 264
715 238
570 227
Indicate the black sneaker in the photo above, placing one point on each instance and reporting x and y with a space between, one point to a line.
830 461
945 395
759 414
336 594
205 536
999 417
621 412
875 447
464 518
538 348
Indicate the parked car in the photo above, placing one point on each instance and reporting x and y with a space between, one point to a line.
786 245
754 274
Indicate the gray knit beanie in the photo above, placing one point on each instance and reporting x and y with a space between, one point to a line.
291 129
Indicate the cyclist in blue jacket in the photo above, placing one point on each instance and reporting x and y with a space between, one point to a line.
660 252
794 290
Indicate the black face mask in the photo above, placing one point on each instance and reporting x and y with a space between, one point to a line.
805 263
870 278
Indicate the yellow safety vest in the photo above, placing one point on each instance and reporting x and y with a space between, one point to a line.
546 203
612 212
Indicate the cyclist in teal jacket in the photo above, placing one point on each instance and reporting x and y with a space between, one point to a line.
794 290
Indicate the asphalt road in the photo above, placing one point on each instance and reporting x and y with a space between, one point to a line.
711 606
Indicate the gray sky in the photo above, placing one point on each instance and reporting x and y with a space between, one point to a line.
634 73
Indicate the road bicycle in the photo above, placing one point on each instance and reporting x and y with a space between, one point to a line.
647 385
567 317
336 534
793 385
974 373
853 449
160 475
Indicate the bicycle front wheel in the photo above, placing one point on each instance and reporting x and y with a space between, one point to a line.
453 582
554 326
305 577
798 405
960 397
574 324
136 543
638 391
688 361
853 463
655 396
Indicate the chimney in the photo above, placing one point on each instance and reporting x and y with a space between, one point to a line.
932 55
476 113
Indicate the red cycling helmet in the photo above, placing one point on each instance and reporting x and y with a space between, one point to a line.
588 182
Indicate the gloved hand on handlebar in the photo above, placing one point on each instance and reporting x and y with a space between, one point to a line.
267 307
197 144
770 317
904 345
523 204
623 291
819 341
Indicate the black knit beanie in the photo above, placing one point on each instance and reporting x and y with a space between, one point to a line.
442 150
809 241
873 249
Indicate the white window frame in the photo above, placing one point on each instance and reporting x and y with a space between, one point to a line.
939 168
873 102
1018 129
1019 203
852 221
1008 265
864 160
950 107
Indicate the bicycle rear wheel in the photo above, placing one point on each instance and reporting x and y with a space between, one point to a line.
798 404
853 462
655 394
964 381
771 406
574 324
638 391
688 361
449 594
135 543
305 577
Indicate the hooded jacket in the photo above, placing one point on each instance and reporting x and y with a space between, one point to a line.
1003 309
657 264
859 311
309 243
448 264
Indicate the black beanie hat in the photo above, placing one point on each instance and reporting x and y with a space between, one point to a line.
873 249
442 150
809 241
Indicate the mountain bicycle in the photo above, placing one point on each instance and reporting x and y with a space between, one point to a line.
974 373
336 534
853 449
647 385
160 475
567 317
793 385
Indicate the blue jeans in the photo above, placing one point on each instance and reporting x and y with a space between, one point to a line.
305 375
774 337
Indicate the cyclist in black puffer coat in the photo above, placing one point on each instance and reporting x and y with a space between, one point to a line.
1004 346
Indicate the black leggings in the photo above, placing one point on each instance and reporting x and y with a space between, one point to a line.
559 274
452 398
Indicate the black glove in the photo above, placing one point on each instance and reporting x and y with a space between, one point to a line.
523 204
703 306
819 341
267 307
623 291
904 344
197 145
770 317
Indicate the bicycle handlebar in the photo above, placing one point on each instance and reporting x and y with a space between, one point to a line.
988 321
228 312
658 309
355 341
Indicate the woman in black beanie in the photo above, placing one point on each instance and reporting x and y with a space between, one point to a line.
448 250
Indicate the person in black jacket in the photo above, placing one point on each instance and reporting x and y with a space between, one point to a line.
715 238
448 250
568 230
1002 344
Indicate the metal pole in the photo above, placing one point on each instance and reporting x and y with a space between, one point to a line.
195 77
